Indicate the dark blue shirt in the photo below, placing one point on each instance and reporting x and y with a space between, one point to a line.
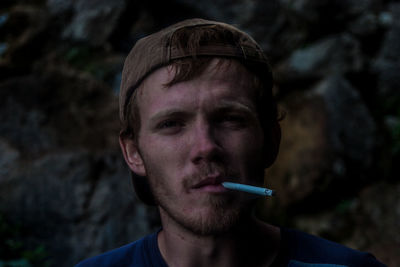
297 249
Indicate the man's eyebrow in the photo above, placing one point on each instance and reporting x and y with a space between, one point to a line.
168 113
236 105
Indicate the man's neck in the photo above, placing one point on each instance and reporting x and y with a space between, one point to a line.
252 243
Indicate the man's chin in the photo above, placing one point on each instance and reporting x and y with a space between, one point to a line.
215 218
212 223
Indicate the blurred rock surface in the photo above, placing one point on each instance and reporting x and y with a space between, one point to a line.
336 66
327 145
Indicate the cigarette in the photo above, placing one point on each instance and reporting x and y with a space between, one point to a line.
249 189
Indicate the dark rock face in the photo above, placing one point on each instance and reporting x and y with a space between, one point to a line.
351 127
62 176
93 21
335 54
76 203
375 203
68 185
328 142
387 63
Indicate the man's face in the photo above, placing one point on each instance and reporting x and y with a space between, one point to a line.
196 134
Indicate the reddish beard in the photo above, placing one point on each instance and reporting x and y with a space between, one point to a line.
211 214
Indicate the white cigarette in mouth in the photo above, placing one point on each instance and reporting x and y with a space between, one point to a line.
249 189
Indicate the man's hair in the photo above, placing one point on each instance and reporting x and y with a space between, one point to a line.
188 41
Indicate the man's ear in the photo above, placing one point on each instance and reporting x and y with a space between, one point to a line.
132 155
274 140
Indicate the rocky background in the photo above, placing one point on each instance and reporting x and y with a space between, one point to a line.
65 193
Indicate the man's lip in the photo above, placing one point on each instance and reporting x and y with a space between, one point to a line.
209 181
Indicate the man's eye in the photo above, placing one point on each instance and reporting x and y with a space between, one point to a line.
168 124
233 120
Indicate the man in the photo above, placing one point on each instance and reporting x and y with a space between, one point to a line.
197 110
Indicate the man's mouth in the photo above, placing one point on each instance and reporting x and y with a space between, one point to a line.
210 184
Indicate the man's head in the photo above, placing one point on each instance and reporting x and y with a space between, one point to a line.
196 106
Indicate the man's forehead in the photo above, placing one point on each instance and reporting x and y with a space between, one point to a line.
218 69
230 80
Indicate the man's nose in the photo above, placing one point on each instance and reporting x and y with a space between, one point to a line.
205 146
